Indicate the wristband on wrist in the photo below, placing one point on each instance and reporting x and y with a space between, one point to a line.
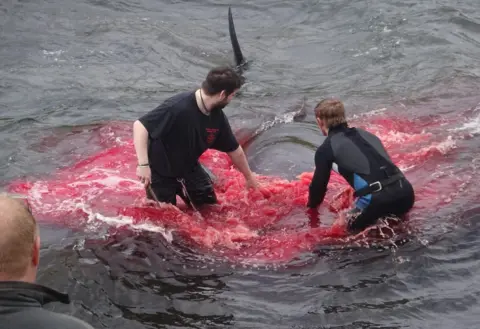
143 165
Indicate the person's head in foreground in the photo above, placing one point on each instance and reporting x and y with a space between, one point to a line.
19 242
21 299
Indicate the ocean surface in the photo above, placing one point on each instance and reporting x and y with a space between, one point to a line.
74 75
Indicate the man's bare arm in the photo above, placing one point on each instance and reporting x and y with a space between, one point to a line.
240 161
140 141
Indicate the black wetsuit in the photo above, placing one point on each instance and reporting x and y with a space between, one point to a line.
178 135
362 160
21 307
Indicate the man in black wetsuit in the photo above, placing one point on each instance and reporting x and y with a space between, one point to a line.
169 140
359 156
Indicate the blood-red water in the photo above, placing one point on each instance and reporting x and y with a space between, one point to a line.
266 225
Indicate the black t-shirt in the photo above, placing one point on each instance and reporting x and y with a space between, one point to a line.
179 133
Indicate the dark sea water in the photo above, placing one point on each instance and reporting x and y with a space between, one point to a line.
66 66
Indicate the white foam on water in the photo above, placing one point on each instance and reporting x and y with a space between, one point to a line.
53 53
109 181
447 145
118 221
406 168
368 114
472 126
397 137
288 117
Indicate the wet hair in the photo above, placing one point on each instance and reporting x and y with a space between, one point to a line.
331 111
222 78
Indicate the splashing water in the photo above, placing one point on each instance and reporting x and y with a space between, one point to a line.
269 225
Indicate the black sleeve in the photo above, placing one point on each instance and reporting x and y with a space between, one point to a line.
226 140
158 121
321 176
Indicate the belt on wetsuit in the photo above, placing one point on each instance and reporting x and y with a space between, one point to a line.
378 185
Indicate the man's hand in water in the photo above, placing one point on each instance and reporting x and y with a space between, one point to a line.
144 174
252 183
240 161
313 217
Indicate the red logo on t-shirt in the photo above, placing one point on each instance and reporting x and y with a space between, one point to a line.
211 133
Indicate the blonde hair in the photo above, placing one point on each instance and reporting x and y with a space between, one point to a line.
330 111
18 233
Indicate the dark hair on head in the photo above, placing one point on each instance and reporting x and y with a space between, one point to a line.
222 78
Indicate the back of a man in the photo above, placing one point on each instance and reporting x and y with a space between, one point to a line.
21 299
360 157
24 309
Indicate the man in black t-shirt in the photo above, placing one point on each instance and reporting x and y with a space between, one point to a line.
169 140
